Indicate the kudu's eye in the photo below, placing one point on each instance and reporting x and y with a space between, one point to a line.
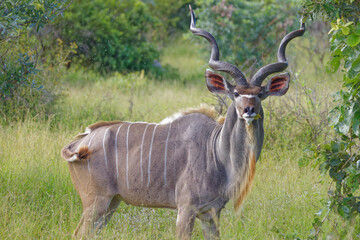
236 94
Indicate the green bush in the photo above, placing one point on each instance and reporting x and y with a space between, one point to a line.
24 88
340 157
173 18
111 35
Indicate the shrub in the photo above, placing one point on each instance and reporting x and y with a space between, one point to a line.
111 35
340 158
22 89
173 18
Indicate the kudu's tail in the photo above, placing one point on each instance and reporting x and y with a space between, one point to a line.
82 154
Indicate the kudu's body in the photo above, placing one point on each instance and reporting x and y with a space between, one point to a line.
191 163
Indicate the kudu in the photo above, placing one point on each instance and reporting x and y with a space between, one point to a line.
190 162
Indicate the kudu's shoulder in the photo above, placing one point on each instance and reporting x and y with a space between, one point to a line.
204 110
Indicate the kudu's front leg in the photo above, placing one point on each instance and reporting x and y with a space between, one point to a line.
185 223
210 224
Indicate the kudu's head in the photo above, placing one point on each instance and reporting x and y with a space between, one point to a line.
246 95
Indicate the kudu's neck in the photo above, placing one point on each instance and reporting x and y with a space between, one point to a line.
237 144
237 139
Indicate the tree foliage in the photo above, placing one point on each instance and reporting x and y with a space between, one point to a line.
172 16
20 81
111 35
340 158
247 32
17 19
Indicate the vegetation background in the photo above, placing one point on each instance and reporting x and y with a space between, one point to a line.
66 64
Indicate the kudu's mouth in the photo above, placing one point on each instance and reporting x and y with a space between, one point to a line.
249 118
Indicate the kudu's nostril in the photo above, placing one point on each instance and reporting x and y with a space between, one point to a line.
249 110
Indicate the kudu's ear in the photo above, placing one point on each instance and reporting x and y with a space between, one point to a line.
278 85
217 83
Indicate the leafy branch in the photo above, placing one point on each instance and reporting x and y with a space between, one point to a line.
340 158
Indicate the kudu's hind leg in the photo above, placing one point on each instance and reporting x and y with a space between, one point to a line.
112 208
185 223
96 214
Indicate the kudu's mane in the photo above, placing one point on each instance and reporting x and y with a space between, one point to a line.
205 109
97 125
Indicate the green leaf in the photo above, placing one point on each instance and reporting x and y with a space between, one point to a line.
335 146
353 40
343 126
356 123
339 176
355 69
335 162
333 64
345 30
348 24
346 209
357 31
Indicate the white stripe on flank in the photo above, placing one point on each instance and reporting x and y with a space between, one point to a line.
89 144
91 140
106 163
141 155
116 152
127 156
152 140
78 147
166 148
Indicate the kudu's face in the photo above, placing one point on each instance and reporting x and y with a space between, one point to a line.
247 98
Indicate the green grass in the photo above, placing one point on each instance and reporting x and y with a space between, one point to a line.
184 53
38 200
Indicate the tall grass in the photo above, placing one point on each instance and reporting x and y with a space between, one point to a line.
38 200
